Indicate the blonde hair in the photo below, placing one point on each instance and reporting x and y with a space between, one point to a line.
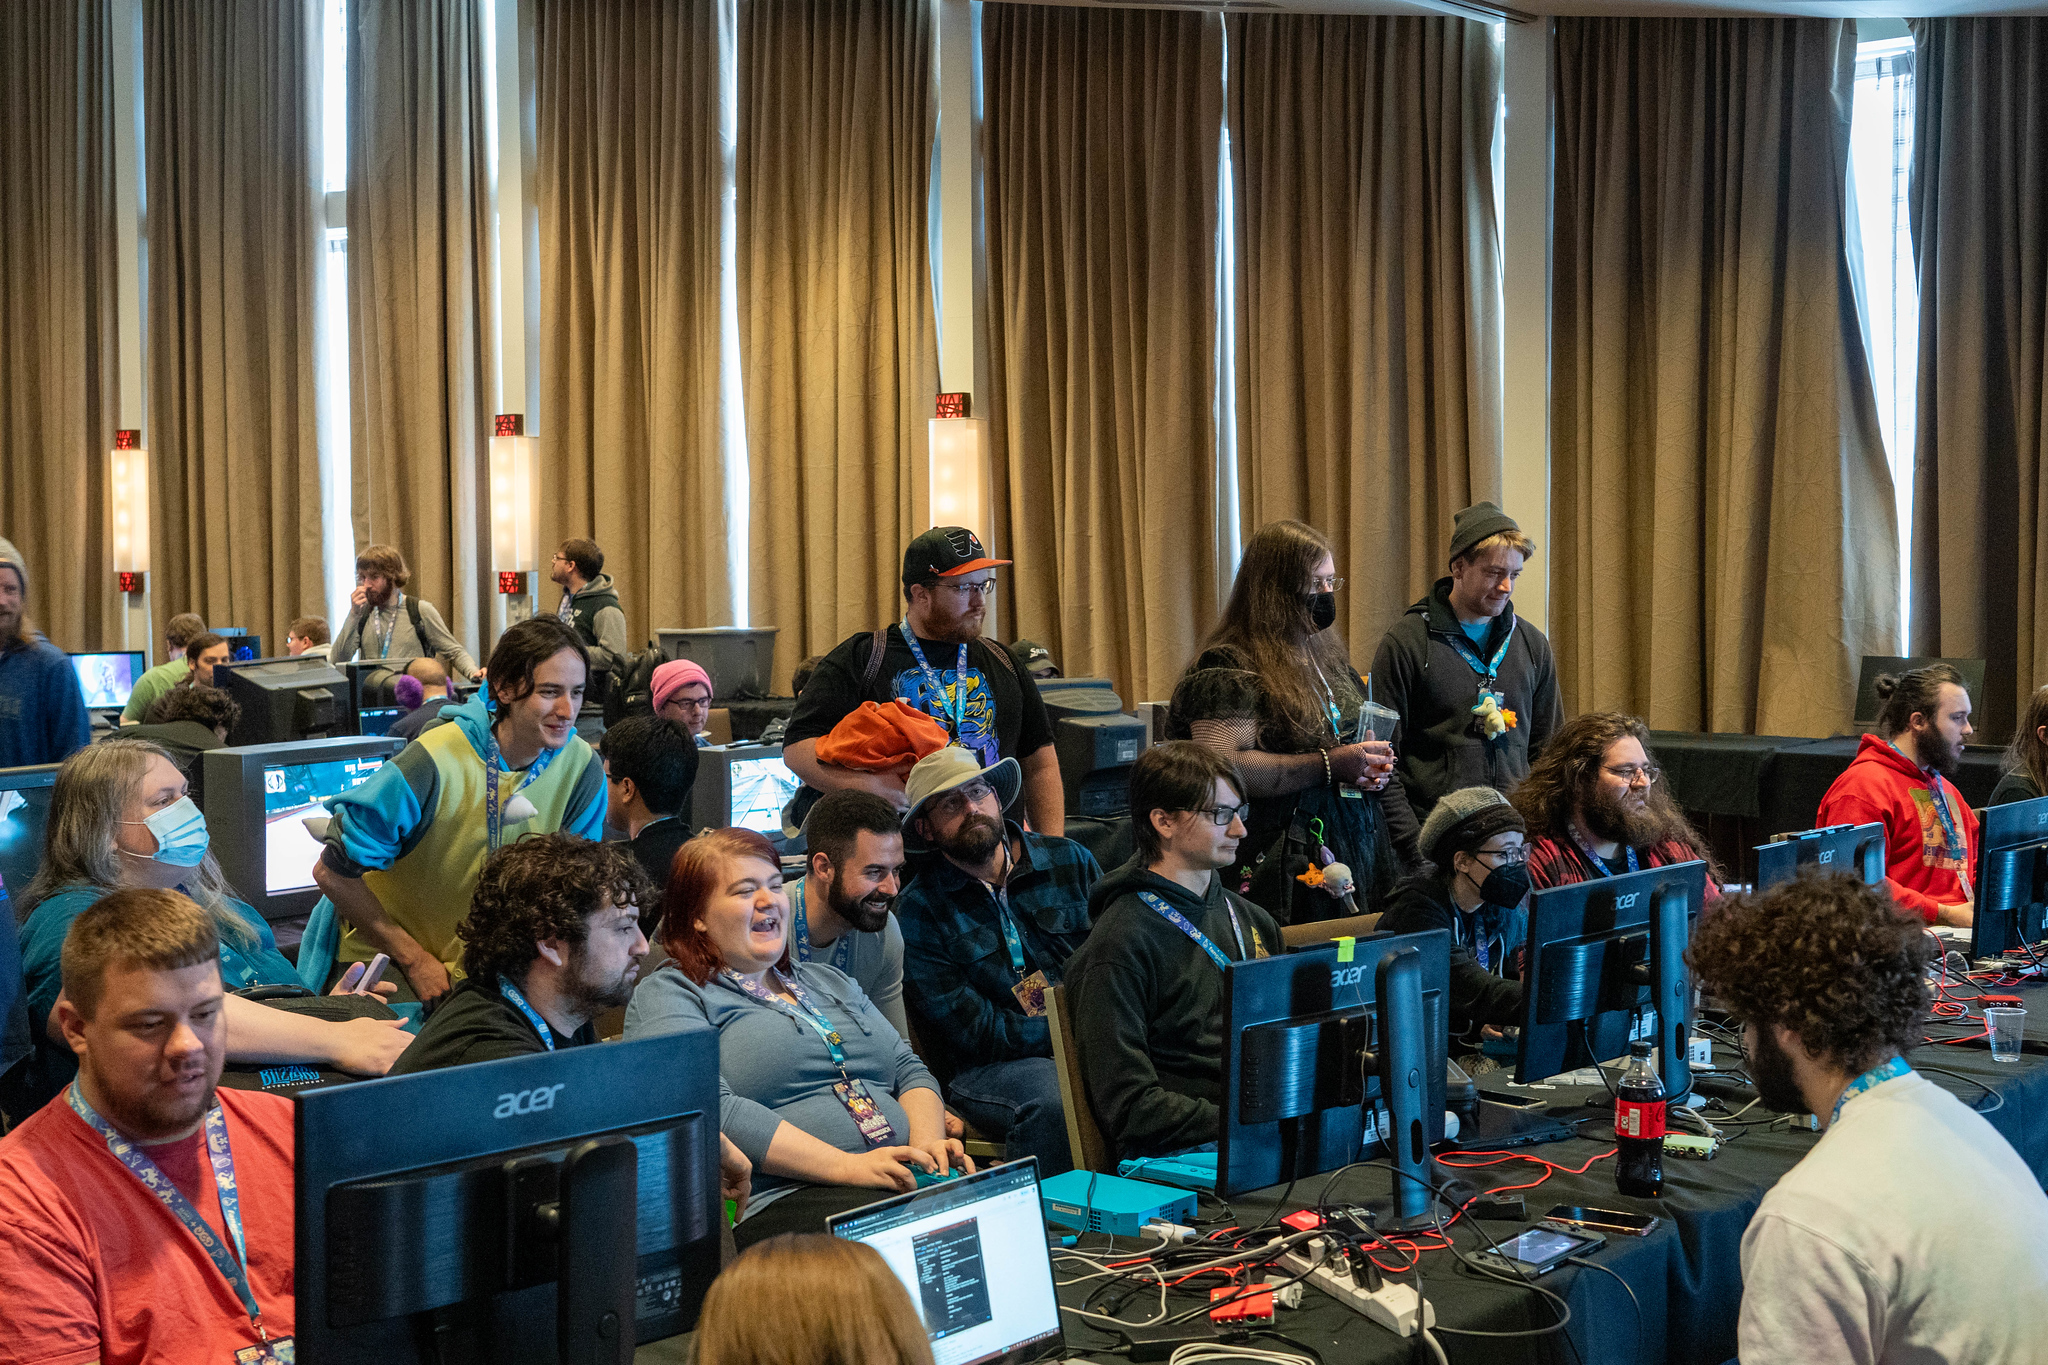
1504 540
833 1303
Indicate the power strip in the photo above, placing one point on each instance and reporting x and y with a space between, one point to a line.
1394 1305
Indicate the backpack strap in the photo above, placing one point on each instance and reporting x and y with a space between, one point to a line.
878 644
412 610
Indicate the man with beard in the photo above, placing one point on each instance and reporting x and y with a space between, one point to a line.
937 662
1594 808
145 1217
552 941
1855 1254
839 911
1903 778
42 712
989 927
384 623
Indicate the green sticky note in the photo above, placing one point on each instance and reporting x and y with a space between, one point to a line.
1347 948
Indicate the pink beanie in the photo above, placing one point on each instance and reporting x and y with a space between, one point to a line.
675 675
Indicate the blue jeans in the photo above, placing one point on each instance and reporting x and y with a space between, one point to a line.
1017 1103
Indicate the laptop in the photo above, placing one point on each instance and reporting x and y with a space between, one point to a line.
972 1252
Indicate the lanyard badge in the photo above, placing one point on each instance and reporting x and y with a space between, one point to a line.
954 712
1180 922
1870 1080
518 998
860 1105
842 951
494 763
1599 863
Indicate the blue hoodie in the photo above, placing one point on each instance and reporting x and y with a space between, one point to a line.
42 712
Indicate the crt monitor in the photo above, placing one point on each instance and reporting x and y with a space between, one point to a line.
243 645
1606 965
372 686
1096 754
557 1207
106 680
745 785
286 699
2012 879
24 811
257 800
1855 849
1306 1035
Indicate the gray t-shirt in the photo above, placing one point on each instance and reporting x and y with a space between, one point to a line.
874 960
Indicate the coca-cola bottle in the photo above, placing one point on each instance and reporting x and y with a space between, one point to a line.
1639 1127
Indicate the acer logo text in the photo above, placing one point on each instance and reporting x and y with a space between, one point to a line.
527 1101
1347 976
1628 901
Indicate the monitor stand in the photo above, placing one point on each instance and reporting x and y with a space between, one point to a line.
1489 1126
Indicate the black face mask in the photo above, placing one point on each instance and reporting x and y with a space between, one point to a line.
1505 886
1322 610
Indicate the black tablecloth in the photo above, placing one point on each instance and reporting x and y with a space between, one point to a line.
1777 780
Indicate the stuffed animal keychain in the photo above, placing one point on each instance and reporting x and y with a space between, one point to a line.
1495 720
1332 878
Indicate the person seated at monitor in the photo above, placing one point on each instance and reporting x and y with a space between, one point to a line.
823 1096
307 635
1903 777
423 691
1474 882
852 1308
384 623
1595 810
404 850
107 1191
1147 987
839 909
178 632
650 767
1274 691
681 692
42 707
120 817
1911 1231
988 928
202 652
189 721
2025 772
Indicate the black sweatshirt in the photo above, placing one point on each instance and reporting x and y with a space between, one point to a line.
1148 1008
1479 995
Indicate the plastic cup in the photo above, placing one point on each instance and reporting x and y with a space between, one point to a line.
1381 720
2007 1026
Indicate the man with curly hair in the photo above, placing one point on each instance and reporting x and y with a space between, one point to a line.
1856 1254
1595 810
552 941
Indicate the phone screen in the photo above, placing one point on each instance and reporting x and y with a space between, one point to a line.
1538 1245
1605 1218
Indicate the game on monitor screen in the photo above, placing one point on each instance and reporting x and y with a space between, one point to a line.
291 792
106 680
24 809
761 787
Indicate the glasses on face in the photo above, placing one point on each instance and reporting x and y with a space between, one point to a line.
1327 583
1507 857
964 591
1221 816
1629 773
960 798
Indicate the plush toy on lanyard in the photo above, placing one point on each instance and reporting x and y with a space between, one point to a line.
1332 878
1495 720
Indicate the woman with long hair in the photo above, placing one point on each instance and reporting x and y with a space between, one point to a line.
2026 758
120 817
1274 690
825 1098
835 1303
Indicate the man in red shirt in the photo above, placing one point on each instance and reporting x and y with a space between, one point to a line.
143 1218
1902 778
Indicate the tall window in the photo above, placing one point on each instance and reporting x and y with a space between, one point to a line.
1881 153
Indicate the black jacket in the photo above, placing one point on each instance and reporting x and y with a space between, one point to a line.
1479 995
477 1024
1148 1008
1421 673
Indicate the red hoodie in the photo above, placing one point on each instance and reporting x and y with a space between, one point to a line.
1922 871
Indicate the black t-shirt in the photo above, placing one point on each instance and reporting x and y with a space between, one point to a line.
476 1024
655 848
1004 717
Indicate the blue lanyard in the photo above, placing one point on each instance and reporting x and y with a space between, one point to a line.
809 1012
1329 702
494 820
231 1264
955 712
1870 1080
1488 671
1180 922
1011 940
517 997
390 624
1953 839
842 951
1599 863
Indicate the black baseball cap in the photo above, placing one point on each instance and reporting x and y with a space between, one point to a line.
945 552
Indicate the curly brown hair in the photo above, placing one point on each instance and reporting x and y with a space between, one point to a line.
1563 774
544 886
1824 955
210 706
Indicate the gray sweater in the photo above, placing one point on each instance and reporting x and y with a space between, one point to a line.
364 631
774 1069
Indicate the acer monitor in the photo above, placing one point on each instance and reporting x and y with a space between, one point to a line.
2012 880
1606 965
562 1206
1855 849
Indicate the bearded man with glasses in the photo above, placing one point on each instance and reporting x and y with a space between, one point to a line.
1595 807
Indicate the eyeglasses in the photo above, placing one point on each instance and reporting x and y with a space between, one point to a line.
965 590
1509 857
1628 773
960 798
1326 585
1221 816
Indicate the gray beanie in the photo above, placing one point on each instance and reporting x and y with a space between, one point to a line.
11 557
1465 819
1476 523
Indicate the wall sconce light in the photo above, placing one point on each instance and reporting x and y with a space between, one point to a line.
959 467
514 497
128 491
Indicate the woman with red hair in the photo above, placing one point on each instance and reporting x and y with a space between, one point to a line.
825 1098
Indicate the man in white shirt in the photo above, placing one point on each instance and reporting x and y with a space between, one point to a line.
1867 1251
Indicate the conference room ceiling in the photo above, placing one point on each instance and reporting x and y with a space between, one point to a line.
1812 9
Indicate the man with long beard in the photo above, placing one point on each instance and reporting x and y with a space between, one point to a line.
1595 810
988 929
839 911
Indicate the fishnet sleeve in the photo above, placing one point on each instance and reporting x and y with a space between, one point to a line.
1217 708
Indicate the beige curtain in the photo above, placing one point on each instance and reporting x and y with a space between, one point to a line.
1368 289
1721 511
229 128
419 298
59 370
1101 131
838 339
1980 231
629 181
